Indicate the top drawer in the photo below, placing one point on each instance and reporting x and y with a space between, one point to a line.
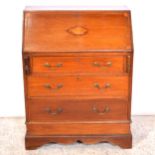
71 64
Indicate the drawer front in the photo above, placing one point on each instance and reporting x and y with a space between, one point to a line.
94 64
101 86
76 110
69 128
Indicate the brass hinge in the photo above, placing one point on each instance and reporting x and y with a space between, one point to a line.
128 64
26 65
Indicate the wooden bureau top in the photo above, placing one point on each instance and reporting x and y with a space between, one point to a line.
77 31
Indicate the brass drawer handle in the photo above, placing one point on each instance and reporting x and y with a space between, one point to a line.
101 112
59 65
49 65
48 86
59 86
97 85
109 63
52 112
97 64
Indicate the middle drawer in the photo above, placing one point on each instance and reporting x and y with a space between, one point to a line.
72 85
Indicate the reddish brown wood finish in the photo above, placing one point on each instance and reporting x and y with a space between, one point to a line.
99 64
124 141
77 128
69 57
103 86
42 110
49 31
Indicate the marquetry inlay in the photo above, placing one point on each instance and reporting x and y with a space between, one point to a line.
77 30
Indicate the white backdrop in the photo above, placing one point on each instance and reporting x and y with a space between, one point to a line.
11 80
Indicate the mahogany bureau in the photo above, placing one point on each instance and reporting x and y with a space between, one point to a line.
77 76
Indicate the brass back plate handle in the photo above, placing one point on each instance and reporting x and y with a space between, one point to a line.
101 112
48 65
54 112
48 86
98 86
97 64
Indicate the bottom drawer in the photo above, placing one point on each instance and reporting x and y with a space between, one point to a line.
40 110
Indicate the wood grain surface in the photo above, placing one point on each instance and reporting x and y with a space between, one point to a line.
48 31
77 76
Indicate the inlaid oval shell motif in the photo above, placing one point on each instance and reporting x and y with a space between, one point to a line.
78 30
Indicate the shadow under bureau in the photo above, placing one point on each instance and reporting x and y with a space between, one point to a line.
77 76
